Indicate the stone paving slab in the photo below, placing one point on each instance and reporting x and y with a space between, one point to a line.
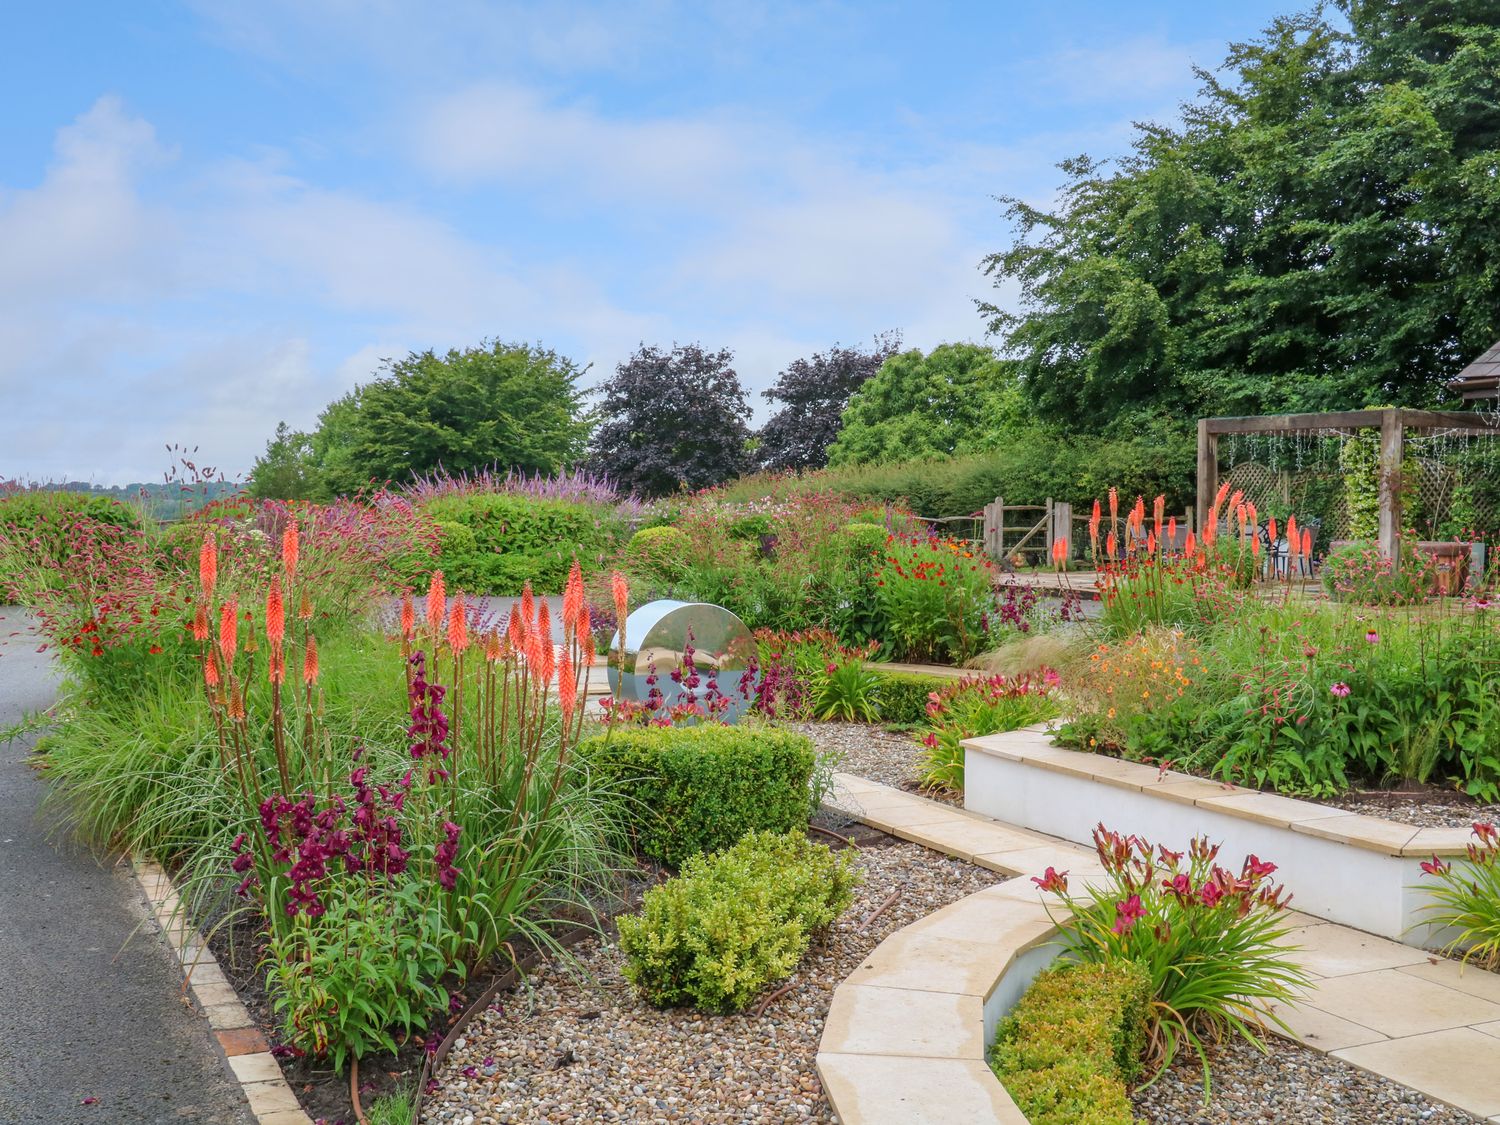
1399 1012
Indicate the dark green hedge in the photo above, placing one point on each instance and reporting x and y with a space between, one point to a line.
1071 1048
902 696
697 789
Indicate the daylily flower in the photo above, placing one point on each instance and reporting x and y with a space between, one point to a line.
1127 914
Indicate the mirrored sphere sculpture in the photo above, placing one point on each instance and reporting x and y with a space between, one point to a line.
660 636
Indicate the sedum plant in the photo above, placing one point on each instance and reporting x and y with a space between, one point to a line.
1210 940
735 921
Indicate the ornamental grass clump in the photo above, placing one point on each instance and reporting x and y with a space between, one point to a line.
1211 940
734 922
1467 899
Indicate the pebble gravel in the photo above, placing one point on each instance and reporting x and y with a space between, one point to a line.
889 757
581 1047
1440 810
1291 1085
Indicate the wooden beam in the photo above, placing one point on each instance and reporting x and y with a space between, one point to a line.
1208 468
1468 421
1392 439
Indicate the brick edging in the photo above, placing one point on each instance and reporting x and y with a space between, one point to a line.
245 1049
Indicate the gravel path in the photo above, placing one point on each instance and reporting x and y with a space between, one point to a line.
570 1051
1293 1085
873 753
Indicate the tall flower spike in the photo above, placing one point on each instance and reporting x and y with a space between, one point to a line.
621 591
304 608
275 615
573 599
492 648
1094 524
528 604
236 703
1114 504
1307 543
229 626
208 565
200 623
458 626
567 687
544 624
515 631
586 637
1171 532
310 661
1110 544
408 617
437 602
210 671
290 550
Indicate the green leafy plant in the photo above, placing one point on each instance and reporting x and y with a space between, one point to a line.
658 551
904 696
978 706
689 790
734 922
849 691
1209 940
933 595
1467 899
1073 1045
1359 573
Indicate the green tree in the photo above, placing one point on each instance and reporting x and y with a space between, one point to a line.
511 406
960 398
1321 229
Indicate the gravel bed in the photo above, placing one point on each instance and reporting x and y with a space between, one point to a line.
875 754
1425 810
1293 1085
576 1050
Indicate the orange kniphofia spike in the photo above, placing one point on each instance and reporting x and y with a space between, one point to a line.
408 616
200 623
567 687
275 614
208 565
458 625
290 550
437 602
310 661
229 626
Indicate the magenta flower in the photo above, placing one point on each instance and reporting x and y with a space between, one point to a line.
1434 866
1373 637
1127 914
1340 689
1052 880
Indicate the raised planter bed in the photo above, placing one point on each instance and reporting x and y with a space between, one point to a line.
1359 871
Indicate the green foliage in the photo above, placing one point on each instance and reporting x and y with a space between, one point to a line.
956 399
697 789
734 922
1466 899
849 691
974 707
933 596
511 406
1359 465
904 696
1073 1045
36 524
1210 941
1360 574
493 542
659 551
1315 231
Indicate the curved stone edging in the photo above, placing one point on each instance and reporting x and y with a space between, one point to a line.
245 1049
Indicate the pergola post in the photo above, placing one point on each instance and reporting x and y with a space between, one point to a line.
1208 470
1392 441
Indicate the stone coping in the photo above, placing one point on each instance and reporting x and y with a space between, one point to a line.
271 1099
1033 746
908 1030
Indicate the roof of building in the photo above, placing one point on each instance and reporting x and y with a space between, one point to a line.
1481 379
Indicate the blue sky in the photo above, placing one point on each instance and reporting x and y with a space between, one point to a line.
214 216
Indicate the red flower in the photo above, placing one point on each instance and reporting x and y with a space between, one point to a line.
1434 866
1052 880
1127 914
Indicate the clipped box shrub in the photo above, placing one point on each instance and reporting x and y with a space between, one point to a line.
734 922
658 551
494 542
1071 1048
696 789
903 696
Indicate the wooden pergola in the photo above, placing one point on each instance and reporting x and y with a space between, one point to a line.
1392 422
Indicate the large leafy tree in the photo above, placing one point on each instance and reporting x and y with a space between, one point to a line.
813 393
1320 231
511 406
959 398
672 420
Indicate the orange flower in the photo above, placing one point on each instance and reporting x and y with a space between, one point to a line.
1110 544
492 648
208 565
1271 528
516 631
1171 531
1094 525
1059 551
1255 546
310 662
528 604
1294 541
289 550
586 637
567 687
210 671
236 703
1158 510
621 592
1190 545
573 598
1114 504
458 626
408 616
200 623
229 625
1307 542
275 615
437 602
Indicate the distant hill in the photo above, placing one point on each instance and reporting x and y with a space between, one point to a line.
158 499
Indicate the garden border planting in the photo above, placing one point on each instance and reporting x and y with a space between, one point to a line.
907 1032
1360 871
245 1049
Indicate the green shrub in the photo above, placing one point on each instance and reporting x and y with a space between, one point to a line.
698 789
734 922
658 551
903 697
974 707
1070 1049
492 543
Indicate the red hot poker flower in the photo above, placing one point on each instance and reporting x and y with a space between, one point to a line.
208 565
408 616
437 602
310 661
229 624
290 550
458 626
275 614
